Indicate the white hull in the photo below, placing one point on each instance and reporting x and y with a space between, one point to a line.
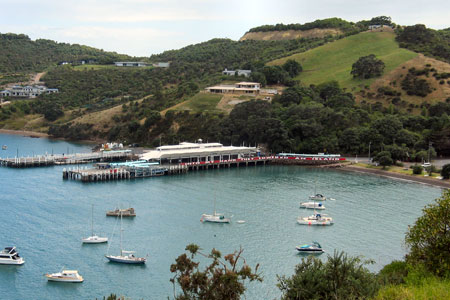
312 205
305 221
315 219
126 259
317 198
94 240
65 276
214 219
50 278
11 261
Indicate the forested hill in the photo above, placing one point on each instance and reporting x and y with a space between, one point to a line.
18 53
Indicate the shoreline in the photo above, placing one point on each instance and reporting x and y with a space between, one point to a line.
416 179
25 133
36 134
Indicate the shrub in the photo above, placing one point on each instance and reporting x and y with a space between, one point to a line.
445 172
340 277
394 273
429 238
417 170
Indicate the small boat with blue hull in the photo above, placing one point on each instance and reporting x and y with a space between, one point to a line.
313 248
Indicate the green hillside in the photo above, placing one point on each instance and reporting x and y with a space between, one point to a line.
18 53
333 61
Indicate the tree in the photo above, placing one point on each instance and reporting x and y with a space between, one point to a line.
340 277
222 279
367 67
445 172
292 67
429 238
384 158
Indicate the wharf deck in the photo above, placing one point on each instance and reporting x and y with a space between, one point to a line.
109 172
58 159
121 173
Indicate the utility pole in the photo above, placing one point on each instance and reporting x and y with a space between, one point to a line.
369 150
429 152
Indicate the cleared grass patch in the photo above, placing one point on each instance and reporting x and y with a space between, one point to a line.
432 289
200 103
334 61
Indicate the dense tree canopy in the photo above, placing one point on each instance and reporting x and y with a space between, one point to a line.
429 238
367 67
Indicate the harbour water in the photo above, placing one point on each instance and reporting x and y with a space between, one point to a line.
46 217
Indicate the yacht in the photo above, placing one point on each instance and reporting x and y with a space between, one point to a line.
312 205
315 219
65 276
215 218
94 239
313 248
9 256
125 257
127 212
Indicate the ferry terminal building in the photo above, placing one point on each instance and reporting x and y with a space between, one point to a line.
197 152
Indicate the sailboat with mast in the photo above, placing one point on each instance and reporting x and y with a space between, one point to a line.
215 217
94 239
125 257
315 219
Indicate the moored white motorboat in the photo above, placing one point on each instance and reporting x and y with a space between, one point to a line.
9 256
313 248
312 205
65 276
318 197
315 219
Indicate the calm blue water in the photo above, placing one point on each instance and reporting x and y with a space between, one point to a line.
45 217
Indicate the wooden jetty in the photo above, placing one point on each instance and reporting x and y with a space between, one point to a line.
121 173
131 170
68 159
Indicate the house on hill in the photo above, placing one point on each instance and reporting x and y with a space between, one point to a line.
29 91
245 73
130 64
237 88
162 65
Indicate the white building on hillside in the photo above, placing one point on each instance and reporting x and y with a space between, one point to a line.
130 64
245 73
238 88
29 91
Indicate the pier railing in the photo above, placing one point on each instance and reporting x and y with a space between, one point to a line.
59 159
